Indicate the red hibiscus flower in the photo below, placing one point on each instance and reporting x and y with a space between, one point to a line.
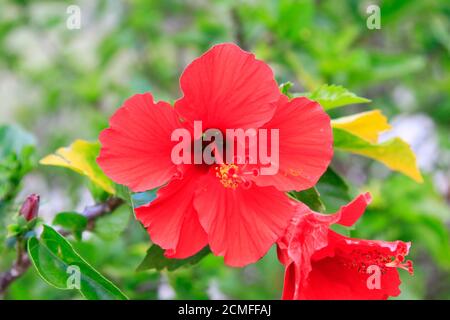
322 264
239 215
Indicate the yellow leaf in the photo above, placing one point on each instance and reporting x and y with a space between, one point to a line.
80 157
366 125
395 153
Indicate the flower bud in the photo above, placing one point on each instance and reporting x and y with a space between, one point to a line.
30 207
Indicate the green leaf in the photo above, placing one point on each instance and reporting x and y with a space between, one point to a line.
332 96
155 259
395 153
14 229
123 193
310 197
98 193
110 226
57 263
285 88
81 157
71 221
333 190
330 193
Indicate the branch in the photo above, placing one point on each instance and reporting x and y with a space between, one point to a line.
22 262
238 29
19 267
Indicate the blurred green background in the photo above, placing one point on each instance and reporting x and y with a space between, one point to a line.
63 84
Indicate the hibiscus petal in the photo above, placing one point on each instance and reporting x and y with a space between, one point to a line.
332 281
228 88
308 231
305 144
339 271
136 147
289 286
241 223
171 220
351 212
322 264
306 234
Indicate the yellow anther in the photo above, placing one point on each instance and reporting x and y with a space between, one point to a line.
228 175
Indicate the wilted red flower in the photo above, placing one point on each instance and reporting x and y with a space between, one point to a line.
30 207
240 216
322 264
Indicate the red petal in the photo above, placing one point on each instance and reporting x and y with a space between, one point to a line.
322 264
330 280
241 223
136 147
289 286
338 271
228 88
306 144
387 248
350 213
171 219
308 236
307 233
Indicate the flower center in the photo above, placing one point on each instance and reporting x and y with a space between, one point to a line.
230 176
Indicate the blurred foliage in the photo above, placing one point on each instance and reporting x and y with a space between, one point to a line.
16 160
63 85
